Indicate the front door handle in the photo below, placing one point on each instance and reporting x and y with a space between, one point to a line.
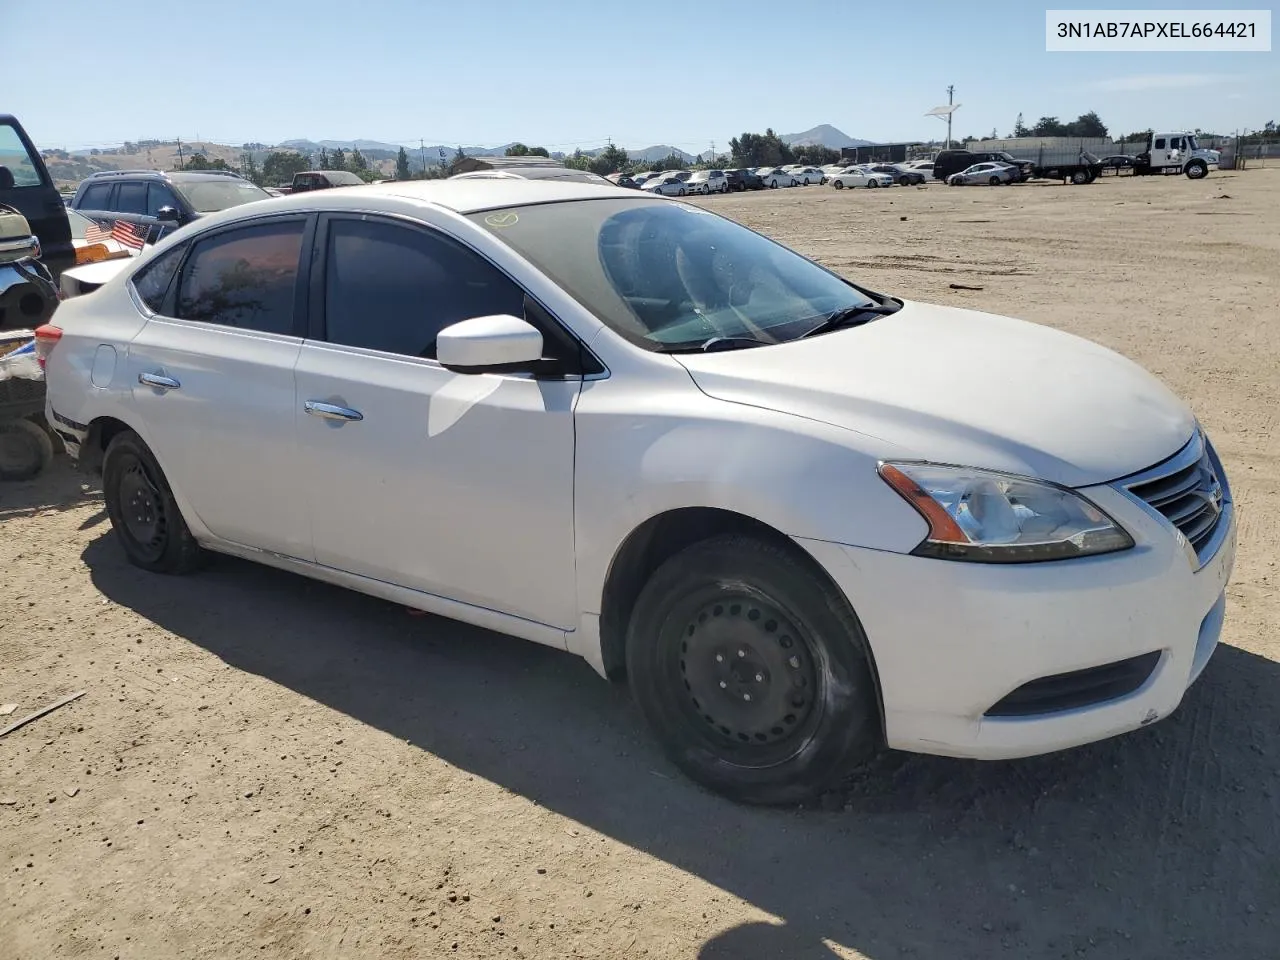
157 381
331 411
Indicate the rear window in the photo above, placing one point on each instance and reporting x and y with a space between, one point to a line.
17 166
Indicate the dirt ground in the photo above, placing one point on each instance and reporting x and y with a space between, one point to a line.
268 767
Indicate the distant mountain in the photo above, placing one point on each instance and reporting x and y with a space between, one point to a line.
824 135
660 152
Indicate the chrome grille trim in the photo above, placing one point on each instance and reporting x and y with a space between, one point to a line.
1189 491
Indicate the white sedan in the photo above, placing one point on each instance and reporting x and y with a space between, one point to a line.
805 175
773 177
638 431
708 181
858 177
668 185
988 174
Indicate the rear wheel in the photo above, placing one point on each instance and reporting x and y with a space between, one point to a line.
904 181
773 184
1079 177
752 671
25 449
143 511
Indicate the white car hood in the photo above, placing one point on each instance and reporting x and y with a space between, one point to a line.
962 387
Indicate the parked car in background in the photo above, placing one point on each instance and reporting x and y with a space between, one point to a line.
25 185
323 180
774 177
94 241
991 174
953 161
806 175
666 184
859 177
640 179
901 174
622 180
744 179
564 445
1118 162
709 181
152 203
568 174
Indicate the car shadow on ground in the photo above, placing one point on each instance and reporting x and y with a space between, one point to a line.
1160 844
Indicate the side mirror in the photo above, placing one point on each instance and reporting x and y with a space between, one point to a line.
168 214
484 344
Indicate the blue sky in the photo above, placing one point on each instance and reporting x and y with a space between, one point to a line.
569 73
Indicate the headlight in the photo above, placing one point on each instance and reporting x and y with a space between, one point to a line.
989 517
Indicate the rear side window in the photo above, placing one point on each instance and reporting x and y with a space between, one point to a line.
132 198
245 277
394 288
152 281
96 196
17 166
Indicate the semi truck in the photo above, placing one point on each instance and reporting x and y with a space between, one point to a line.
1077 159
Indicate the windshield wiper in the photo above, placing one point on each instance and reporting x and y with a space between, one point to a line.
851 316
718 344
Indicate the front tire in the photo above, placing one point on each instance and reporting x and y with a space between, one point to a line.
839 184
1197 170
1079 178
752 671
143 511
773 184
873 183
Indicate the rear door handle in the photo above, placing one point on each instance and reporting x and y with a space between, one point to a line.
157 381
331 411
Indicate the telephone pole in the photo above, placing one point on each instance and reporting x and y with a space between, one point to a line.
422 152
181 161
951 99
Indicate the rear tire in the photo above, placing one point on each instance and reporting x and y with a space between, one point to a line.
752 671
1079 177
994 181
904 181
25 449
143 511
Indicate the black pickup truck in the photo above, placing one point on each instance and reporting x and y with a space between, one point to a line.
25 185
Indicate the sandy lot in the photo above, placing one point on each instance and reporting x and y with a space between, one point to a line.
268 767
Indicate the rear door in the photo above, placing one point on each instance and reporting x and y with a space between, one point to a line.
26 186
212 375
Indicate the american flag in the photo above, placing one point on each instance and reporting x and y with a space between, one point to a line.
129 234
96 232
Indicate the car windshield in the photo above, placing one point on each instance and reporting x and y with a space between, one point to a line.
669 276
210 196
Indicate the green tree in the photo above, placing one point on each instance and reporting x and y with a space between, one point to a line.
402 165
538 152
337 160
324 160
458 156
517 150
609 160
280 166
760 150
815 154
1020 128
1089 125
357 163
1049 127
578 160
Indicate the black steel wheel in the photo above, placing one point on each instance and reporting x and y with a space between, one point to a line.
752 671
142 509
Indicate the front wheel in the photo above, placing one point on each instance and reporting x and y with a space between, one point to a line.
994 181
680 193
872 183
143 511
1079 177
1196 170
773 184
752 671
839 184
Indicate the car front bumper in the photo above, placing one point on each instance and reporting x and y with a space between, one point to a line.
953 639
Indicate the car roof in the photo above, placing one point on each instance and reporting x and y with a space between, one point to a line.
462 195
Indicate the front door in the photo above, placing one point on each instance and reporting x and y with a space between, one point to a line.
212 380
458 485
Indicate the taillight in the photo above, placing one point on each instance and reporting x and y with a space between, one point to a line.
47 337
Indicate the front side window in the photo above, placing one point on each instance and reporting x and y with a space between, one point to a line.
394 287
214 194
244 277
158 196
667 276
17 165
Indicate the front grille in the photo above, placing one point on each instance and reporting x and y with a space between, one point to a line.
1186 490
1080 688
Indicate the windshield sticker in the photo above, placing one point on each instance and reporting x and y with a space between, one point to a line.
507 219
